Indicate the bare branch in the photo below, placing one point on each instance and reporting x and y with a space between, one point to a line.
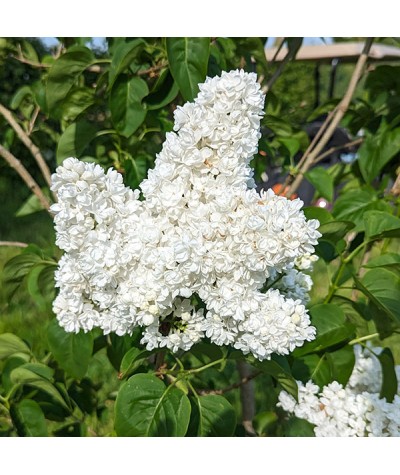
237 385
25 175
247 398
13 244
25 139
333 120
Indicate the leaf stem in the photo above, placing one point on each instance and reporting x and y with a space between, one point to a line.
363 338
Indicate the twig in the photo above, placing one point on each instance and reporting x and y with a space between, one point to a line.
231 387
25 139
336 118
152 70
336 149
395 190
33 119
247 398
13 244
25 175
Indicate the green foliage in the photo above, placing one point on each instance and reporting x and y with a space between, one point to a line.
114 107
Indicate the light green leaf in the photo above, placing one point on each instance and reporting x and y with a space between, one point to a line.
72 351
131 361
322 181
145 407
390 260
32 205
379 225
74 140
10 344
188 61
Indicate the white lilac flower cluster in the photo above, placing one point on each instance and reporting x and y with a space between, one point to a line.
352 411
201 233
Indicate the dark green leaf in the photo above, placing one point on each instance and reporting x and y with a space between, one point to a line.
322 181
379 225
77 101
164 91
188 60
332 328
124 55
74 140
19 96
28 419
341 363
278 126
127 110
377 150
205 353
10 344
145 407
389 378
64 72
12 362
280 373
135 171
382 287
72 351
313 367
213 416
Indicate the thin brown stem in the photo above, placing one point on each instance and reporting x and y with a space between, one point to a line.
25 175
152 70
247 398
231 387
336 149
334 122
289 56
25 139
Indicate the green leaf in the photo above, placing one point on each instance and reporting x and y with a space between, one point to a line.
188 60
213 416
279 126
205 353
31 205
296 427
322 181
10 344
332 328
72 351
12 362
382 287
278 372
74 140
352 205
77 101
127 110
390 260
389 378
28 419
145 407
263 420
19 96
377 150
341 363
164 91
131 361
124 55
379 225
333 231
64 72
315 212
315 367
33 376
135 171
291 144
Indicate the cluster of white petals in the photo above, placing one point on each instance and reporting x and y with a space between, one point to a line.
352 411
200 233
